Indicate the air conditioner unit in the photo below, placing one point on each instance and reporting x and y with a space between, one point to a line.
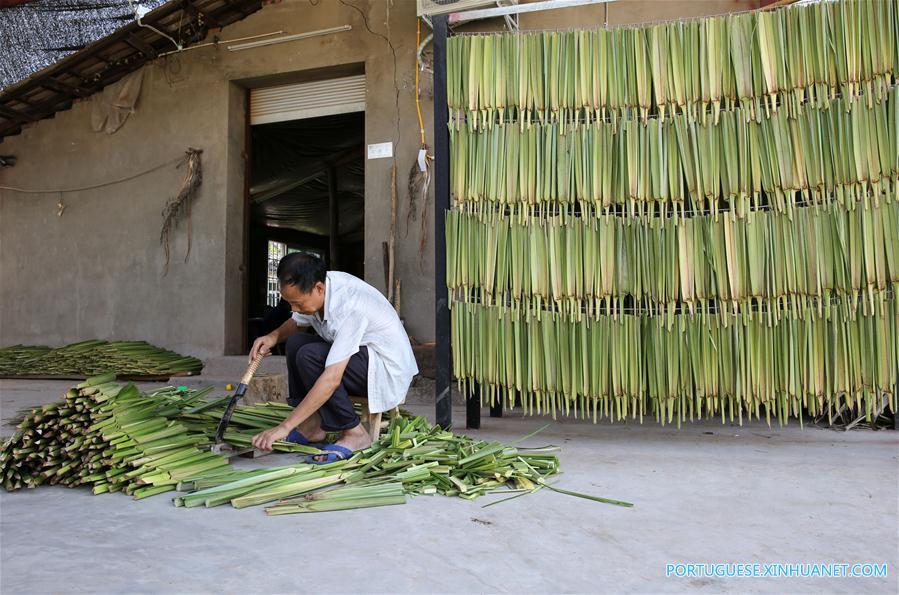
433 7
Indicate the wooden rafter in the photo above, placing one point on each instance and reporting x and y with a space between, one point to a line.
16 115
201 15
63 87
142 46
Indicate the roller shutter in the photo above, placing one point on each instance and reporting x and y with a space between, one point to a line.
307 100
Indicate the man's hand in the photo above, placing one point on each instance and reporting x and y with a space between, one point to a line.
264 440
262 345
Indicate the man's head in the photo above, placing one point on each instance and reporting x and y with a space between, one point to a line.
302 278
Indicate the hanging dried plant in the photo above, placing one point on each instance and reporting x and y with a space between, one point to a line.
417 186
178 207
422 186
419 183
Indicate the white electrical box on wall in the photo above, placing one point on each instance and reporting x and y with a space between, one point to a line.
380 150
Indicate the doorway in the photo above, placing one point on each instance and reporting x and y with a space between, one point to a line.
306 193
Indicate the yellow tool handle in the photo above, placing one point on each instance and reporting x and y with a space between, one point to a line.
251 369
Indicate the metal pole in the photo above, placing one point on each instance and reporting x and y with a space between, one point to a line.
333 213
473 406
444 379
496 410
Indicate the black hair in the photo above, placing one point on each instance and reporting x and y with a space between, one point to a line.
301 270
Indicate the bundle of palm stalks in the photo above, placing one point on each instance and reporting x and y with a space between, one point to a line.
758 60
89 358
843 151
681 367
106 435
561 261
115 438
683 220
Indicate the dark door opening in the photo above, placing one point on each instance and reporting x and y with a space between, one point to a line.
307 187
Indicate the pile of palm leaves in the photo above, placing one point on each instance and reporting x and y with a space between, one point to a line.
412 458
110 437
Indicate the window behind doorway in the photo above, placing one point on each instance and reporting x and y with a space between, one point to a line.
277 251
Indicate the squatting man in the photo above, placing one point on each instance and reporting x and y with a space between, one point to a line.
359 348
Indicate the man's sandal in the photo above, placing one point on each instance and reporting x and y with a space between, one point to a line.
332 454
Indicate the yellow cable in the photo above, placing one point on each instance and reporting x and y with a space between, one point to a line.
421 126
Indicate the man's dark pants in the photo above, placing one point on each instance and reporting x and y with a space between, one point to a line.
306 356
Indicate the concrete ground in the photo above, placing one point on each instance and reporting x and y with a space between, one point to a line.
706 493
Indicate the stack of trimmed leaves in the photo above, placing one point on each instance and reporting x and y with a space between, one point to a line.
89 358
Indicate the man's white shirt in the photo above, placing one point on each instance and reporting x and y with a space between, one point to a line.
356 315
